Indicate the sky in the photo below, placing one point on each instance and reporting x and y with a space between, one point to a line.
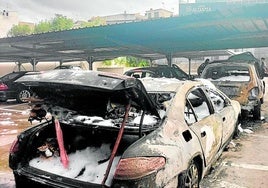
38 10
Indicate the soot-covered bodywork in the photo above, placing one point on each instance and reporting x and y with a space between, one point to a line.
118 131
159 71
240 81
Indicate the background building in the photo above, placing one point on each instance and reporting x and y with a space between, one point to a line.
7 20
158 13
122 18
126 18
187 7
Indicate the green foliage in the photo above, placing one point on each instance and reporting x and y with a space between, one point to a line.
97 21
120 61
19 30
61 22
42 27
128 61
137 62
58 23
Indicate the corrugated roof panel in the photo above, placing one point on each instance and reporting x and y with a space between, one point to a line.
261 25
227 29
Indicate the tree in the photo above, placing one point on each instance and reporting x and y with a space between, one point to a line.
61 22
42 27
136 62
96 21
127 61
58 23
19 30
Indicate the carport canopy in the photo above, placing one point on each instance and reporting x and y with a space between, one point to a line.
203 34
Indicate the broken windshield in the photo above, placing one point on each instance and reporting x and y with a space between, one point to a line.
227 73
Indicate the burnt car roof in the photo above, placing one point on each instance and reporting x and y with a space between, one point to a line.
161 71
230 63
79 90
246 56
161 84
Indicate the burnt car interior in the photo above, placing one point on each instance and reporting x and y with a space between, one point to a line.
221 71
197 106
91 120
99 111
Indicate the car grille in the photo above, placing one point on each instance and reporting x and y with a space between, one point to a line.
230 91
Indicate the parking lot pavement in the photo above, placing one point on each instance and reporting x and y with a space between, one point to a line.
13 120
244 164
7 180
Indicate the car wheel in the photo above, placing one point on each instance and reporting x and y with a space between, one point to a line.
23 95
257 112
237 131
191 177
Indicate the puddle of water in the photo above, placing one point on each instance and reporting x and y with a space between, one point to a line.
13 120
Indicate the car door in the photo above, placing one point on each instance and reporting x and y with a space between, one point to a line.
204 123
223 107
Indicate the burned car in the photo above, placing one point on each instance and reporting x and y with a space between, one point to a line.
240 81
158 72
109 130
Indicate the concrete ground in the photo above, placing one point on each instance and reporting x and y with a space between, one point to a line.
244 165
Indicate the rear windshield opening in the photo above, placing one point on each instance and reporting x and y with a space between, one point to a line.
227 73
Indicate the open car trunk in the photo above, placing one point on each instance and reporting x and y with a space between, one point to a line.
91 115
88 149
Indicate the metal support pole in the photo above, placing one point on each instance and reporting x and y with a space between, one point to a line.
34 63
190 66
169 59
19 65
90 61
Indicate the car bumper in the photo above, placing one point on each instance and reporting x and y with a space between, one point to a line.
3 96
250 105
31 177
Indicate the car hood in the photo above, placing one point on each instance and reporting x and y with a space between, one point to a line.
89 91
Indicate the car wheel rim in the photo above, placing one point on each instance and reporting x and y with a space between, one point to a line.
192 179
24 94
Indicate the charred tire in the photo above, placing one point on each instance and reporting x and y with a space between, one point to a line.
237 132
22 95
191 177
244 114
257 112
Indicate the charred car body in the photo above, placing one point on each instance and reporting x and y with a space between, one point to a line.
120 131
158 72
240 80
